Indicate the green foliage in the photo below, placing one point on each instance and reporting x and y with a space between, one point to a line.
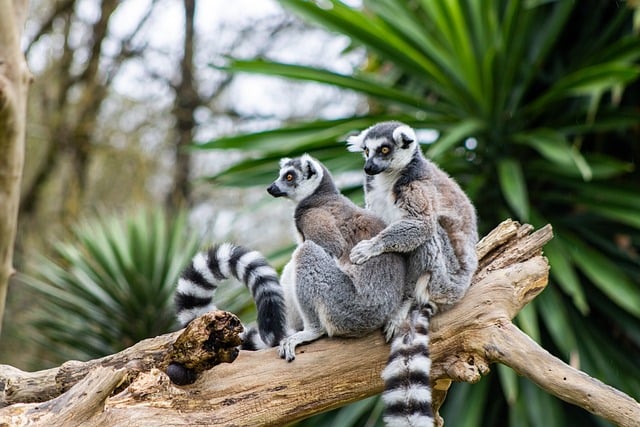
111 285
536 106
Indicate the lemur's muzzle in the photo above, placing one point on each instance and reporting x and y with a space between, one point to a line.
370 168
275 191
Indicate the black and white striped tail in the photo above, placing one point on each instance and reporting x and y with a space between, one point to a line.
407 392
199 281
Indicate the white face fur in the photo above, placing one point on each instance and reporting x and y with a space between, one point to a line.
298 178
386 147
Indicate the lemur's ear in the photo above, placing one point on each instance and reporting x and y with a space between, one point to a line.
354 143
284 161
404 136
309 166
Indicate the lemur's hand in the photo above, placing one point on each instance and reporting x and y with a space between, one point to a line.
363 251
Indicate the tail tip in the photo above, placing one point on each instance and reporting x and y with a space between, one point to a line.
180 374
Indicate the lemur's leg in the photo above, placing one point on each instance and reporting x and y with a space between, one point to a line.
401 236
448 276
319 282
288 282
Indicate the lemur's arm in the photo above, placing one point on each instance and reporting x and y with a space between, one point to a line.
402 236
419 222
320 226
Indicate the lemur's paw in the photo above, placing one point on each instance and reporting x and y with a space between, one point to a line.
287 349
362 252
390 330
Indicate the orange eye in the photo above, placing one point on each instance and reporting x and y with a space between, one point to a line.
366 152
289 177
385 150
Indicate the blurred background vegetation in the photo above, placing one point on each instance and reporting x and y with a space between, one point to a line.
533 106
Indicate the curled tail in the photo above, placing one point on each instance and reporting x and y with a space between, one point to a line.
407 391
199 281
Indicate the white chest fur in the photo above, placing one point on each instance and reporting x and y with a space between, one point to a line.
381 200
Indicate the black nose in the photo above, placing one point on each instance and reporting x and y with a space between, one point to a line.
372 169
275 191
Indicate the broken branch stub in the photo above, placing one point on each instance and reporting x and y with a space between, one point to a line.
207 341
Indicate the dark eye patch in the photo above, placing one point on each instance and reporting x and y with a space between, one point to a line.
384 149
290 175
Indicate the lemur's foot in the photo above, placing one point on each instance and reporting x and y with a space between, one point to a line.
288 345
397 322
390 330
287 349
363 251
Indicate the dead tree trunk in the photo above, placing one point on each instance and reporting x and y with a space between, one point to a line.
14 84
258 388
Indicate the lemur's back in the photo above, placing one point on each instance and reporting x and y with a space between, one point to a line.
350 223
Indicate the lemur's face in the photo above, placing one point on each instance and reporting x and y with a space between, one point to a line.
387 147
298 178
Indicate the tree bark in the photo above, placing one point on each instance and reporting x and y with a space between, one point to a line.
14 85
259 388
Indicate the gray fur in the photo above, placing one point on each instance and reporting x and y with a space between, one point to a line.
429 218
432 222
331 295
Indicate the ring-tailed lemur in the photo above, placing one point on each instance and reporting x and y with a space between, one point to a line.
332 295
199 281
432 221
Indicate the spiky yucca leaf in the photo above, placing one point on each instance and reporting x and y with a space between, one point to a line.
111 285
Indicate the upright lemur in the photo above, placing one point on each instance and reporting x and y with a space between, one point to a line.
430 220
328 293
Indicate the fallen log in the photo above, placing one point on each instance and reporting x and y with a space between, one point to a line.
258 388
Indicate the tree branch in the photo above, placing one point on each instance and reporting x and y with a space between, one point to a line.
259 388
60 8
518 351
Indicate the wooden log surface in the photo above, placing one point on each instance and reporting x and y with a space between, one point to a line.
259 388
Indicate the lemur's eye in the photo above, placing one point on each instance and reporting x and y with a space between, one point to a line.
289 177
366 152
384 150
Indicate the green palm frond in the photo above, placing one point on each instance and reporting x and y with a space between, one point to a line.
549 93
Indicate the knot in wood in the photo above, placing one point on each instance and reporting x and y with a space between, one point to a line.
467 368
206 342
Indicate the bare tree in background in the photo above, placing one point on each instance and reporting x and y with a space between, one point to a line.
79 77
110 112
185 103
14 84
73 98
188 97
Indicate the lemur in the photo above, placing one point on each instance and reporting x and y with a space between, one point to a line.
329 294
353 299
430 220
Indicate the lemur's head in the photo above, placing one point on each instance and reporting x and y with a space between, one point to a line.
298 179
387 146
